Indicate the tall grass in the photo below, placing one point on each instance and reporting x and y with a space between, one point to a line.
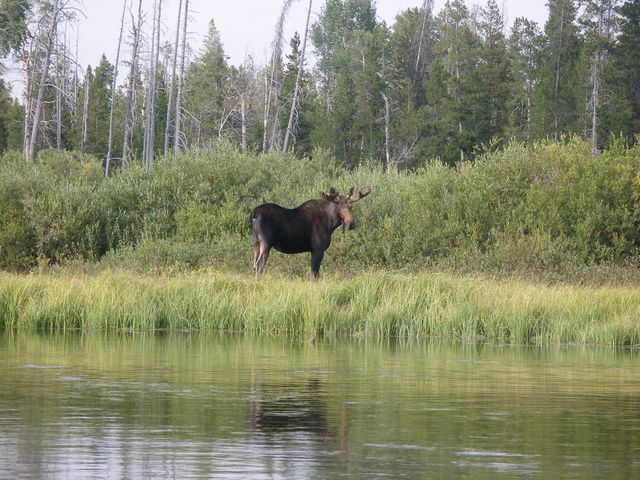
368 304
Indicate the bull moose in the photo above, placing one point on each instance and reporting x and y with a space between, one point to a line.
306 228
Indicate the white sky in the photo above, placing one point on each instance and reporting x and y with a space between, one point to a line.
246 26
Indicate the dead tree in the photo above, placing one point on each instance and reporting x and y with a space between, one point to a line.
273 83
180 93
84 142
129 121
167 127
293 114
113 91
150 137
34 125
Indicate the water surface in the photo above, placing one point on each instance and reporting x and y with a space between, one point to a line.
206 406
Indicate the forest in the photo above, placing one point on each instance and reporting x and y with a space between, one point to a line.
436 85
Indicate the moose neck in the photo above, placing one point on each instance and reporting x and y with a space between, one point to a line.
333 214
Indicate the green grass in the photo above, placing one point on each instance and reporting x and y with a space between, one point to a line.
374 304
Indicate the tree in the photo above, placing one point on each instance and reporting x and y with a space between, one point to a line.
50 13
494 70
113 92
465 104
13 28
525 50
271 134
129 119
622 74
99 105
349 45
294 115
598 22
555 109
181 74
207 77
172 78
150 110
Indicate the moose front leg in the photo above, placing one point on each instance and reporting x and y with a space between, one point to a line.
316 260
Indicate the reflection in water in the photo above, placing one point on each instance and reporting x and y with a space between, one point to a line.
289 407
185 406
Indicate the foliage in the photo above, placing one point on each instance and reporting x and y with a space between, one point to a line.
384 305
549 210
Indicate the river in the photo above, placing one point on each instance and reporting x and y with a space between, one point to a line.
183 405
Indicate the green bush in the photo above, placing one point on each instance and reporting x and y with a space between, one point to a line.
549 207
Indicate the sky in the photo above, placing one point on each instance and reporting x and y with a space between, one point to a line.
246 26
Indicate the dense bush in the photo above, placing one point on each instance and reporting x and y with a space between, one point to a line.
549 207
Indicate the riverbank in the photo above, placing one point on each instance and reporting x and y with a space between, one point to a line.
374 304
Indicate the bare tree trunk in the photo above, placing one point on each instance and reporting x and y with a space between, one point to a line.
150 132
296 89
113 91
265 118
273 88
33 140
131 97
594 102
243 127
84 142
176 134
391 167
59 89
27 97
167 127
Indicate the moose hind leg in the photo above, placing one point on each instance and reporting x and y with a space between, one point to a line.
262 258
256 254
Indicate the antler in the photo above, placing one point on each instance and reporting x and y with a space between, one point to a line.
363 192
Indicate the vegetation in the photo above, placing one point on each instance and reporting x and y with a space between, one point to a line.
371 304
431 85
548 211
507 156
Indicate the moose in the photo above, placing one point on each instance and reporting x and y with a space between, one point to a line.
306 228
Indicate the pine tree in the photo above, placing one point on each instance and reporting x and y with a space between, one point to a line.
206 77
622 74
555 109
494 70
99 107
349 46
525 50
598 22
466 104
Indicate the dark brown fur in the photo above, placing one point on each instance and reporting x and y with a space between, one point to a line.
306 228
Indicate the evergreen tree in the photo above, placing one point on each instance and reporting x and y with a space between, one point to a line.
465 108
99 106
622 74
13 16
301 141
349 48
206 79
494 70
598 22
525 50
555 109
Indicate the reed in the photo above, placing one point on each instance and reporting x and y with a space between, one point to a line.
374 304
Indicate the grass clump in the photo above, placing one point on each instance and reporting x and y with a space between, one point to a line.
373 304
